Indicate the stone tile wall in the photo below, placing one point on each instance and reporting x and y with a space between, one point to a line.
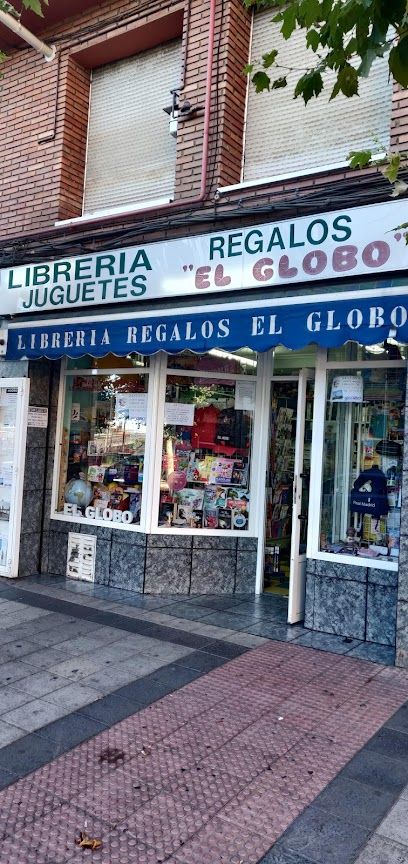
359 602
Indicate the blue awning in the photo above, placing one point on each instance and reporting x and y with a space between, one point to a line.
329 323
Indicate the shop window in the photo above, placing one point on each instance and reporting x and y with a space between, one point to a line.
362 463
206 458
283 136
103 443
131 156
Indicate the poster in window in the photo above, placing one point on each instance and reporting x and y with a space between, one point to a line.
347 388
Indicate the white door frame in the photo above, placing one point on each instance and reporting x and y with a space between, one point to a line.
298 561
295 586
10 570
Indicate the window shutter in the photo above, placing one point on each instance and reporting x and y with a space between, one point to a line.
131 154
284 136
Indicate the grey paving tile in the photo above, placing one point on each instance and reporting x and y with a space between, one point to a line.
14 670
11 698
34 715
45 658
278 855
357 802
111 709
9 733
25 755
227 619
395 825
328 642
76 667
382 851
65 631
137 642
278 632
377 770
166 652
383 654
26 614
249 640
73 696
69 731
399 720
391 743
40 683
186 610
109 679
98 638
216 602
142 664
323 840
200 661
115 653
16 649
10 606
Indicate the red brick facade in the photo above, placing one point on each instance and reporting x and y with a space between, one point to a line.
44 109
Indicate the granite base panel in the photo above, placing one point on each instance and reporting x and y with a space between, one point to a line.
158 564
352 601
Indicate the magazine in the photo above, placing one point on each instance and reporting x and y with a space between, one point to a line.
221 471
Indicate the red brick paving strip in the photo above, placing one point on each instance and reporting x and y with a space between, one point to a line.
211 774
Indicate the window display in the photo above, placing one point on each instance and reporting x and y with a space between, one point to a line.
206 456
362 462
103 445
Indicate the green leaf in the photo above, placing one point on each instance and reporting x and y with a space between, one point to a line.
398 61
278 83
367 61
34 6
269 59
248 68
359 158
261 81
309 85
309 12
348 80
289 21
391 170
312 40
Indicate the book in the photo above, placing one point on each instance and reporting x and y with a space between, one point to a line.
221 471
238 499
224 518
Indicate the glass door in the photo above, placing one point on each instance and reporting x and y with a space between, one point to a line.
287 491
13 429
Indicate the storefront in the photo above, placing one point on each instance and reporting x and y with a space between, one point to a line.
165 419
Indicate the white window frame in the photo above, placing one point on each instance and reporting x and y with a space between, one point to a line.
151 372
255 467
157 372
323 365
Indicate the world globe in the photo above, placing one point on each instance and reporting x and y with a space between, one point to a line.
78 492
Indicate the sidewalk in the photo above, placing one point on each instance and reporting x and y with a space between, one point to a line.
177 742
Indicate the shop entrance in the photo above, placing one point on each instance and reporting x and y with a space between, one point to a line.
287 490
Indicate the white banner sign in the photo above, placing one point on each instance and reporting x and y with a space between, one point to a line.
347 388
37 418
327 246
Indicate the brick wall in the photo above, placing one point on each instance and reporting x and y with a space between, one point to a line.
44 110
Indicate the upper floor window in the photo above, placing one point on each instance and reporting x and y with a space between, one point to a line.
131 156
284 136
